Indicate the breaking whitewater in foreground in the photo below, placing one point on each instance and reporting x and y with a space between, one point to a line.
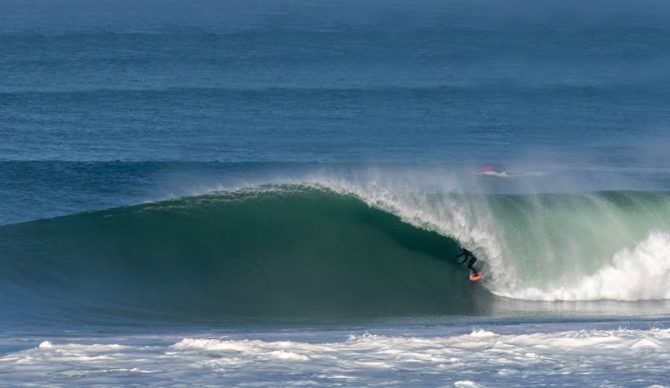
479 358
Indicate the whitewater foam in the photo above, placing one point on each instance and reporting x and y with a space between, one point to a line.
635 274
481 358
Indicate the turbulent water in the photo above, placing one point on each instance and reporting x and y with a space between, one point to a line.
569 357
274 193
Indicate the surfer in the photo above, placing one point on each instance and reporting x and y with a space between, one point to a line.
494 169
470 258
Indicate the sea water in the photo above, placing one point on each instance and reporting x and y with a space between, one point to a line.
273 193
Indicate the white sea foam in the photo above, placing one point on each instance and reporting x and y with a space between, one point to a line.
642 273
481 358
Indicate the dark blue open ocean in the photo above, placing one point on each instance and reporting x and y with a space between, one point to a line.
273 193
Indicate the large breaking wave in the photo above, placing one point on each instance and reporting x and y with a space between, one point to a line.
336 250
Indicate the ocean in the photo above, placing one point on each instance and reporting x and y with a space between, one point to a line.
274 193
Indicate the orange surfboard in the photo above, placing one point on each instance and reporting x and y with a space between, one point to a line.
474 278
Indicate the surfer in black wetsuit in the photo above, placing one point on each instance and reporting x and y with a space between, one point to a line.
470 258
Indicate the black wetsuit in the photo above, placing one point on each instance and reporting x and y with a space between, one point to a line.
470 258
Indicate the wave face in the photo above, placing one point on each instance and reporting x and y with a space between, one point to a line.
285 251
306 250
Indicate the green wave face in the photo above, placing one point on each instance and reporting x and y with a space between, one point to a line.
291 251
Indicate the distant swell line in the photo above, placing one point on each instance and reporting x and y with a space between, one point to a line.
344 92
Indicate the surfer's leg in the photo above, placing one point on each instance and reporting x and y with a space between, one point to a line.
471 265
